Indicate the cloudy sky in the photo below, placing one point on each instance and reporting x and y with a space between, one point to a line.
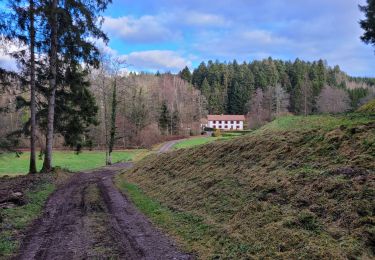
166 35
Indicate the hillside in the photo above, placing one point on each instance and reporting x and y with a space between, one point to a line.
300 187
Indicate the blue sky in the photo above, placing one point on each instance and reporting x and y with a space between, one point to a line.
166 35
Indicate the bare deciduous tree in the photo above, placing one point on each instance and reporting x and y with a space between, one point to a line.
333 100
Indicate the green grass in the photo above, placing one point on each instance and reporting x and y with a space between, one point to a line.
197 141
14 220
11 165
194 142
188 229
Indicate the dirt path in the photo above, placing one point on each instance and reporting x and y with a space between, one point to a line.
89 218
168 145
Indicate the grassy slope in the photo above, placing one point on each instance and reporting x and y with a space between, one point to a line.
10 164
297 188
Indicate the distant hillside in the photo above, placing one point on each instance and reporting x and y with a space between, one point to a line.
300 187
230 87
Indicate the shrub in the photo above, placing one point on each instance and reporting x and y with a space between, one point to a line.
216 133
368 108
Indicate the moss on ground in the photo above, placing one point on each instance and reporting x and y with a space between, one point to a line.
300 187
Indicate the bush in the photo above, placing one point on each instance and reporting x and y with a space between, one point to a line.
368 108
216 133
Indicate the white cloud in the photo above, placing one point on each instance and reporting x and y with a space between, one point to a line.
103 47
204 19
146 29
156 60
284 29
262 37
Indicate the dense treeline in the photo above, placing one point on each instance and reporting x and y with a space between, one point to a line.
150 108
231 87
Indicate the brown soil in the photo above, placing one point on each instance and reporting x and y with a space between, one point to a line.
89 218
12 190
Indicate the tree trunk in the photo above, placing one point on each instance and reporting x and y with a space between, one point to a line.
47 164
32 167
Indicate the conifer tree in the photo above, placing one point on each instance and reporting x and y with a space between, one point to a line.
175 124
65 24
185 74
164 117
368 24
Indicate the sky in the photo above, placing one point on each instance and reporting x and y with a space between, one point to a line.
167 35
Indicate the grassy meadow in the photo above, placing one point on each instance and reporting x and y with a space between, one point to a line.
12 165
299 187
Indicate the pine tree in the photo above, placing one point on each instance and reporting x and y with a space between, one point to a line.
164 117
205 88
368 24
199 75
185 74
175 124
65 24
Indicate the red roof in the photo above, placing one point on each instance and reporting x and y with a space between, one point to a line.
226 118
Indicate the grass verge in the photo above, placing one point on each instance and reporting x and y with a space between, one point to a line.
191 231
14 220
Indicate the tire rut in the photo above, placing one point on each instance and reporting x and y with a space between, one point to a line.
88 217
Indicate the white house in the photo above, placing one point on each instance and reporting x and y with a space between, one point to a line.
226 122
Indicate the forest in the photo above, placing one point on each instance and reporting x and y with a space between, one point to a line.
154 107
267 88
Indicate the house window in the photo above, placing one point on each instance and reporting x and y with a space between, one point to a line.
214 122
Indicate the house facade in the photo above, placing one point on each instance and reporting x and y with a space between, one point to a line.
226 122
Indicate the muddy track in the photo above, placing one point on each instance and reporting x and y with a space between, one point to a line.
89 218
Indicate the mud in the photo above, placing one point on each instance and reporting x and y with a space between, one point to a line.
13 189
89 218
